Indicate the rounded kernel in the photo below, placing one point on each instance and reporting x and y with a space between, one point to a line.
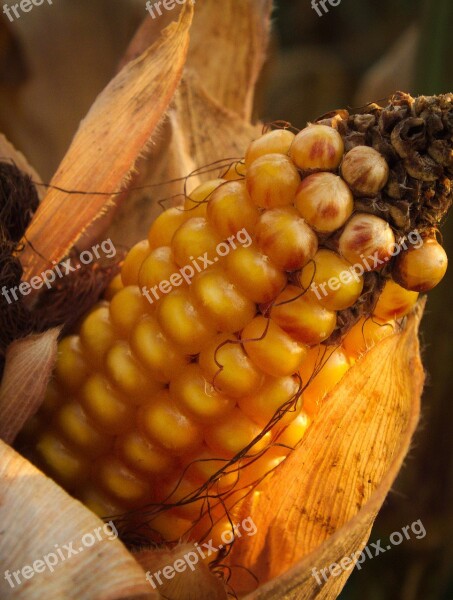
284 236
365 170
277 141
113 287
106 407
66 466
332 280
164 424
236 170
133 262
365 334
70 369
421 268
178 490
121 482
367 241
99 503
192 241
272 181
156 271
127 308
221 302
272 349
295 431
163 228
155 351
394 301
302 316
76 428
255 274
227 367
53 399
140 454
230 210
97 335
196 396
203 465
195 204
317 147
324 201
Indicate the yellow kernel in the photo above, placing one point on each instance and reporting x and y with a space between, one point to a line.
332 280
196 396
70 369
275 393
127 308
166 425
170 526
324 201
202 466
196 204
295 431
99 503
155 351
75 426
272 349
223 305
178 490
236 170
133 262
139 453
106 407
277 141
421 268
65 465
183 323
367 240
126 373
53 398
323 367
113 287
163 228
302 316
284 236
234 433
272 181
97 335
394 301
157 268
230 210
193 240
121 482
366 333
255 274
317 147
227 367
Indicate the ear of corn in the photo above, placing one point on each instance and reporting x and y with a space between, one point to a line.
170 378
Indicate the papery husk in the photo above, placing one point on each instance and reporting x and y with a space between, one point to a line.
319 506
109 141
28 367
36 514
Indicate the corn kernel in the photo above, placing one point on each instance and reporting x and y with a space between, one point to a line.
159 266
193 240
365 334
163 228
196 203
70 369
97 335
421 268
277 141
133 262
65 465
236 170
120 482
113 287
127 308
275 393
394 301
76 428
106 407
272 181
317 147
140 454
230 209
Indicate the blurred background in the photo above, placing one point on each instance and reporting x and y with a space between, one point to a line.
54 62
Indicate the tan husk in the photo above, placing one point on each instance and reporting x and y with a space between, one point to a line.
28 367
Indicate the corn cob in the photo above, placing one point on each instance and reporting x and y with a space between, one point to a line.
176 391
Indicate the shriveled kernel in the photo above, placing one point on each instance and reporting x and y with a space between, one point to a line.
133 262
317 147
272 181
275 393
421 268
76 428
156 269
161 358
367 240
365 334
71 368
121 482
106 407
302 316
228 368
365 170
271 349
230 210
233 433
164 226
164 424
196 203
222 303
139 453
330 279
255 274
394 301
323 367
277 141
113 287
197 397
324 201
65 465
97 335
183 322
126 373
127 308
194 239
286 238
